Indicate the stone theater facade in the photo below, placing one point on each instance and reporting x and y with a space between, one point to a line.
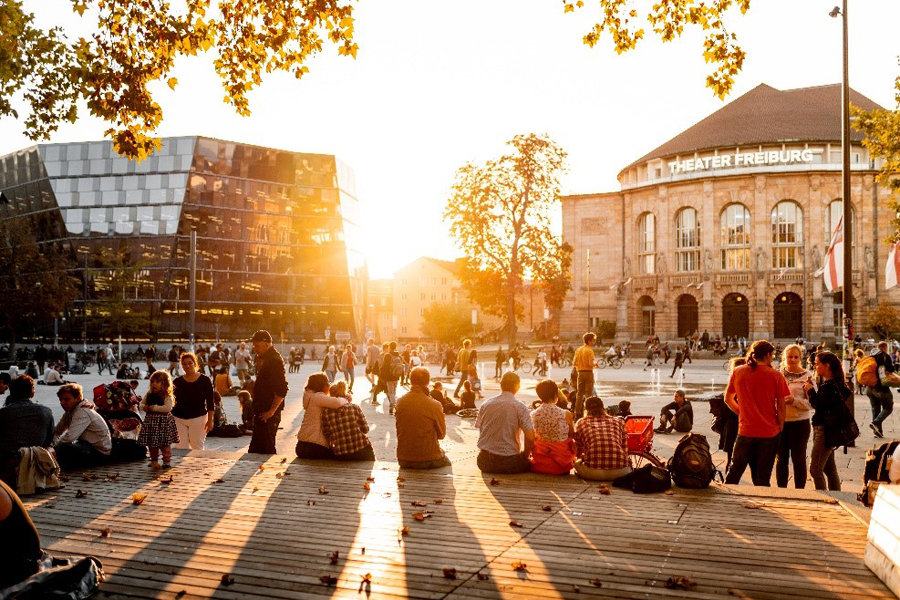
725 227
277 242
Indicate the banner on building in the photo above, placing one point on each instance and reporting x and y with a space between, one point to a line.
892 268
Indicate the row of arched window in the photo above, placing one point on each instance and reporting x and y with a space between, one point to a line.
734 237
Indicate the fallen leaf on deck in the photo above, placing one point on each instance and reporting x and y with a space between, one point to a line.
283 460
604 490
596 582
438 500
752 506
400 478
255 489
520 566
138 499
334 557
670 492
421 516
370 478
80 493
404 530
546 507
220 480
167 480
483 577
113 477
386 495
310 502
286 473
515 523
279 475
322 490
227 579
262 467
363 551
401 485
328 579
419 503
495 481
576 588
366 486
680 582
449 573
181 594
105 532
89 477
367 578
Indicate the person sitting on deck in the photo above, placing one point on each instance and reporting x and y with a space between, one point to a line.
82 437
554 446
420 425
450 407
499 421
346 427
677 415
311 440
602 444
23 424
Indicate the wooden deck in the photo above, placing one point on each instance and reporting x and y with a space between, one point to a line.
271 533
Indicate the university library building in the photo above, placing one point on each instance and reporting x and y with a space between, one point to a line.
725 227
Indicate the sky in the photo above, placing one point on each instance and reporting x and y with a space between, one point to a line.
437 84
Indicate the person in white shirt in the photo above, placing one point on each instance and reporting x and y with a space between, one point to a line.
52 376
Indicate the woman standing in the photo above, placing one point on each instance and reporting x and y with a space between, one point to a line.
826 400
797 412
194 406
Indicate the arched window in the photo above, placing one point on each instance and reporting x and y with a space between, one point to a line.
735 238
787 236
833 213
647 244
687 240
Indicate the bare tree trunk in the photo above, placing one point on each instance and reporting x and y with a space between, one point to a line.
511 328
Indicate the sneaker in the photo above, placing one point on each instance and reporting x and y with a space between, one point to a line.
166 466
660 430
877 430
376 403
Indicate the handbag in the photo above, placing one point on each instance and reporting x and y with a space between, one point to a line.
840 427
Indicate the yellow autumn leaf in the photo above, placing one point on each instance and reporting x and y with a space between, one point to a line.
173 82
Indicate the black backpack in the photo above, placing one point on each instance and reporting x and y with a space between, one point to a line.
648 479
877 462
691 465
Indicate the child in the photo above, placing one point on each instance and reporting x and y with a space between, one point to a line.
476 382
246 404
624 408
158 431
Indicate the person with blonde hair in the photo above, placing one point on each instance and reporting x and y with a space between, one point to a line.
159 431
797 413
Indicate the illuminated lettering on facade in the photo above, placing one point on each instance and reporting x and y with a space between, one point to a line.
741 159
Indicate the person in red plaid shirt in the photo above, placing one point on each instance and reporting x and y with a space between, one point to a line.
345 428
602 444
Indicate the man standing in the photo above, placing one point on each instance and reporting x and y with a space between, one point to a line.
268 393
499 359
678 362
372 353
390 373
880 396
584 363
420 424
462 364
499 422
242 362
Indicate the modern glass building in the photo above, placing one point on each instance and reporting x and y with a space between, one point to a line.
277 236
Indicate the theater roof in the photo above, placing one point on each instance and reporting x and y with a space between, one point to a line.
765 115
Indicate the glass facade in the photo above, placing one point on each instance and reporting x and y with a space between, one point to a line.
277 233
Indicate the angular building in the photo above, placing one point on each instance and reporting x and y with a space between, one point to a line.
725 227
277 242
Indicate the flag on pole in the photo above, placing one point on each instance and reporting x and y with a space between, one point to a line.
834 259
892 268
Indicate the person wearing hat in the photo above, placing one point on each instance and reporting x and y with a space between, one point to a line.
269 392
601 443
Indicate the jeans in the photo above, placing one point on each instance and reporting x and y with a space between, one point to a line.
349 377
793 443
462 379
331 374
494 463
390 390
314 451
425 464
191 433
882 401
584 389
821 463
759 453
263 440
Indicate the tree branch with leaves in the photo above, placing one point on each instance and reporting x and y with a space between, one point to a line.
499 216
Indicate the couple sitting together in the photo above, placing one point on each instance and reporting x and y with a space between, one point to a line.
596 446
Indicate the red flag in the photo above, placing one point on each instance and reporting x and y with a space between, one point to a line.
834 259
892 268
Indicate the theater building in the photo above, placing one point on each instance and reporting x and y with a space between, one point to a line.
277 242
724 228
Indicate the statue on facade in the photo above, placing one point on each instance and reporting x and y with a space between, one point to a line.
661 264
707 260
870 260
760 261
626 267
816 258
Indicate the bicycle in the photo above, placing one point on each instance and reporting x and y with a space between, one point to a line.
639 432
523 365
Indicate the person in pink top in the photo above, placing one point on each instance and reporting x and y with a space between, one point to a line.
757 393
311 440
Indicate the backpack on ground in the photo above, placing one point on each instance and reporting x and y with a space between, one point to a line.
867 371
691 465
648 479
878 463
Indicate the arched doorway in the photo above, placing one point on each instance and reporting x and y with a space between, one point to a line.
648 315
687 315
735 316
788 316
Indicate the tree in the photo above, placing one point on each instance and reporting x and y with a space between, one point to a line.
36 285
499 216
114 283
884 320
668 21
136 43
446 323
605 330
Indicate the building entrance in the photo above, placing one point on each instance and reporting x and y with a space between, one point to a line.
687 315
788 316
735 316
648 316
